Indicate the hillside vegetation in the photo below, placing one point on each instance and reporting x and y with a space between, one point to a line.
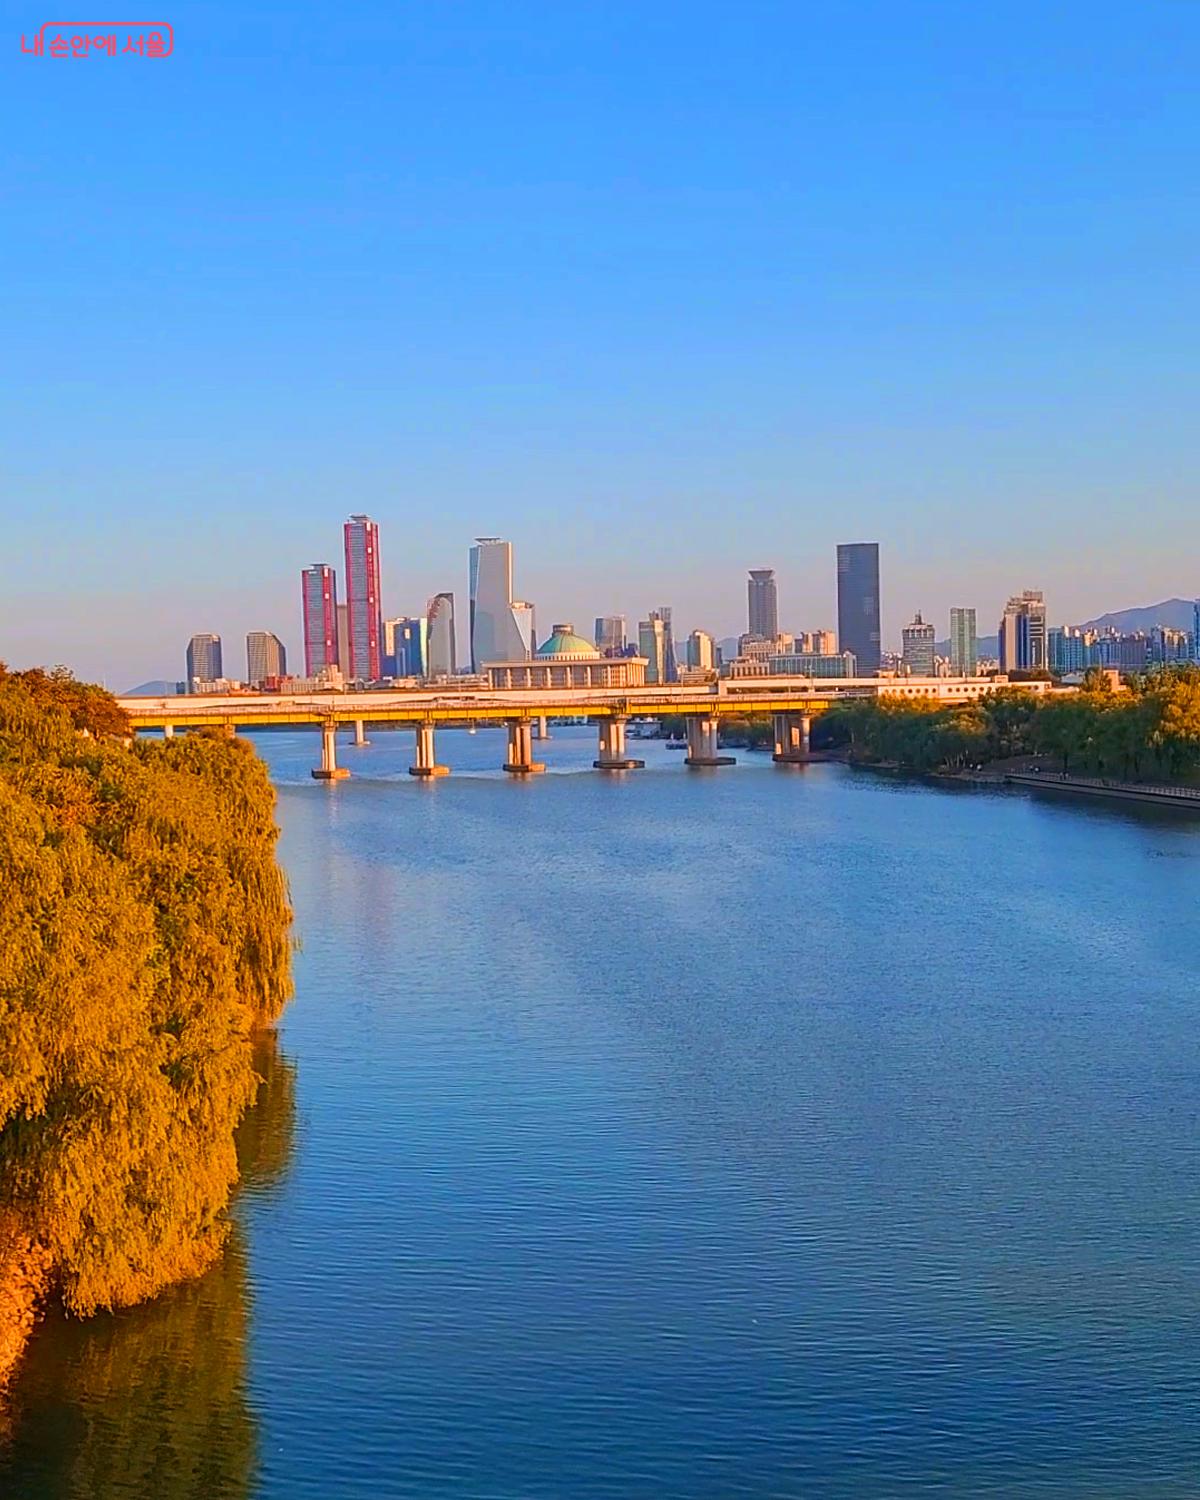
144 936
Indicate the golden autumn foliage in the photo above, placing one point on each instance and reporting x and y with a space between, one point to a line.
144 934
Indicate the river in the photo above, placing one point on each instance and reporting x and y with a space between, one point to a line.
755 1132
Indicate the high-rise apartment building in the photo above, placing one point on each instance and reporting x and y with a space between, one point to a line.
203 660
266 657
1023 636
763 603
918 639
502 628
364 619
610 635
858 604
701 650
442 658
318 599
964 643
652 644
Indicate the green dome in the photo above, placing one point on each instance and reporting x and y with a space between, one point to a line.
564 642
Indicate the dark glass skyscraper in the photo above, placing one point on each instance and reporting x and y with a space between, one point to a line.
763 601
858 603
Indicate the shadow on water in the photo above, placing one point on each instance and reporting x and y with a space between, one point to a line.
151 1401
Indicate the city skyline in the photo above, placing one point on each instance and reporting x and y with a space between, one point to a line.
461 648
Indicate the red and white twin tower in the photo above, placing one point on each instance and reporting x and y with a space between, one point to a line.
349 636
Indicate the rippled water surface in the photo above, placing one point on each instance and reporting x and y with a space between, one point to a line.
755 1132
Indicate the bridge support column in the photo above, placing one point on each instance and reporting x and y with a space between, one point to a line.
329 770
520 749
228 730
360 732
168 731
792 738
612 748
702 742
541 727
426 758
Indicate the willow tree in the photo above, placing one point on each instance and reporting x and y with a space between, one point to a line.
144 935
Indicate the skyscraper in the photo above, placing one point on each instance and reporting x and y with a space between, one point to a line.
701 651
652 645
964 643
363 616
502 629
858 603
443 650
265 657
203 660
1023 635
670 665
918 640
763 602
410 645
610 635
318 597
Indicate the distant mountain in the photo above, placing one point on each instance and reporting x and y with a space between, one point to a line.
1175 614
153 690
986 645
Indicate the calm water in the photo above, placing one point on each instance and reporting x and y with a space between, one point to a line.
744 1133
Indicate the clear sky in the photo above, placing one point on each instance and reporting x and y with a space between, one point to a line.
659 291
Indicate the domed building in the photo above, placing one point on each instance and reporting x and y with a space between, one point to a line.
566 660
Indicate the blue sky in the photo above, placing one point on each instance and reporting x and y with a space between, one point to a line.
659 291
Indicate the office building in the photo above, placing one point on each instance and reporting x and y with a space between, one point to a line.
610 635
442 659
964 643
701 650
1023 637
318 600
652 646
858 604
763 603
501 627
409 645
203 660
364 619
266 657
812 664
917 639
670 662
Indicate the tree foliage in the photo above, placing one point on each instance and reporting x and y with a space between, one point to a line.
144 935
1152 729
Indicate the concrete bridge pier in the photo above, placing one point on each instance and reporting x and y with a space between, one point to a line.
612 748
520 749
702 742
168 731
426 758
792 738
360 732
329 770
541 728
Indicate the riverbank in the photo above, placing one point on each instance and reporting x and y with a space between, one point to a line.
1179 798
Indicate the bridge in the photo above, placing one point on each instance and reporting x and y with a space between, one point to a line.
792 702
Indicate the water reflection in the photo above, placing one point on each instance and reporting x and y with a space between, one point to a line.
151 1401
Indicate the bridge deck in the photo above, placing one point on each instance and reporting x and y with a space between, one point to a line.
488 705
